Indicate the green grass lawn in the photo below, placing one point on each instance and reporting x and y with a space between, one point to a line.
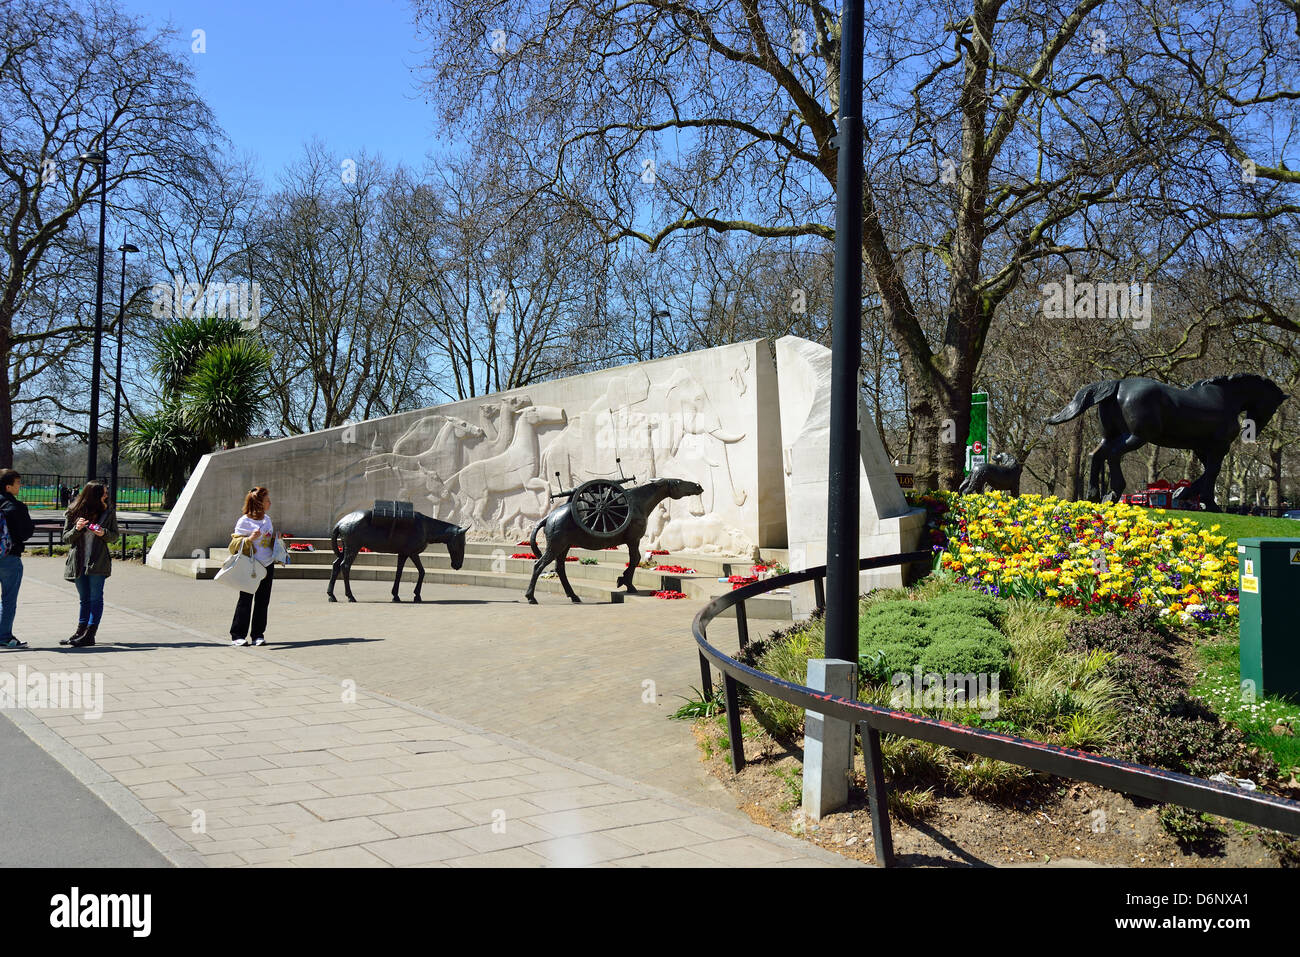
1234 526
1220 685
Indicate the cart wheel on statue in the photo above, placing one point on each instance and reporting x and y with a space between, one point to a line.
601 508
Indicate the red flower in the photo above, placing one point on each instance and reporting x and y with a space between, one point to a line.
658 551
526 555
670 594
678 569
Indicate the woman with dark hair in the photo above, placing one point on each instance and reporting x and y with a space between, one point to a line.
17 525
89 528
255 536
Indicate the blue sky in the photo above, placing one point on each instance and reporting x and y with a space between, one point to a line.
279 72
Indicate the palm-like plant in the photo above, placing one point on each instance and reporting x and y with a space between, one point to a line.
213 374
222 398
164 449
182 345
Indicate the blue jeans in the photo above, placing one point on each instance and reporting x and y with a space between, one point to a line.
11 579
91 590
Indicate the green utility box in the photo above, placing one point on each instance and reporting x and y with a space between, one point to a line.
1269 591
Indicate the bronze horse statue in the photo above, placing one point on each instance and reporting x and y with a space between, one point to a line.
407 537
1201 417
1001 472
563 532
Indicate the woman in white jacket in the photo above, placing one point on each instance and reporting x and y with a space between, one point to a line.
254 534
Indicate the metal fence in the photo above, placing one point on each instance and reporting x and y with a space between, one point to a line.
47 533
42 490
1263 810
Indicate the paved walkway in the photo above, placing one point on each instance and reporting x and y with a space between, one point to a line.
325 750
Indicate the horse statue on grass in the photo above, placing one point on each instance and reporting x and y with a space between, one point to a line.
1001 472
408 536
1201 417
601 513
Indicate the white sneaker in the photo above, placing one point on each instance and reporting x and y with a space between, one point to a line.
239 641
258 641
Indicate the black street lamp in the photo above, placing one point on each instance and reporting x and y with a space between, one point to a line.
100 159
117 378
655 314
846 354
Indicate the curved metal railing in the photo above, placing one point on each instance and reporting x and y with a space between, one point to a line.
1171 787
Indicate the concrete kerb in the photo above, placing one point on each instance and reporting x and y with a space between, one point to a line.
150 826
108 789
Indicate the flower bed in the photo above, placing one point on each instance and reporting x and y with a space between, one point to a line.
1083 555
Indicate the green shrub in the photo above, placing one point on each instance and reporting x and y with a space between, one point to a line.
888 660
1195 833
952 627
911 632
962 656
898 635
970 603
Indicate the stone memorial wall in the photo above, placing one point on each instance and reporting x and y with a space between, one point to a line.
716 417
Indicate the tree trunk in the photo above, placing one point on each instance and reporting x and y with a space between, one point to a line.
6 403
1275 473
941 415
1075 461
1153 464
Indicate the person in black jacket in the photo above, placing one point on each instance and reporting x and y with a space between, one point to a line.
18 525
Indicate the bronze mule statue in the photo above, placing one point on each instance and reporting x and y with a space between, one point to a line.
1001 472
408 537
1201 417
606 514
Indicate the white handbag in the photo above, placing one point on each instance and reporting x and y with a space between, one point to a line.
242 572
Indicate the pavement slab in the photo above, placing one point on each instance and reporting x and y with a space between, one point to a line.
385 735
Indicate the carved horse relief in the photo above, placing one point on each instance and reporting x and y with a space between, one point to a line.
482 484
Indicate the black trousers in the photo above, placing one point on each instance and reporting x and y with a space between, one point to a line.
254 604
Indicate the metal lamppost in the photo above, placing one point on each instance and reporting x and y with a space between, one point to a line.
117 378
828 743
655 314
846 355
99 159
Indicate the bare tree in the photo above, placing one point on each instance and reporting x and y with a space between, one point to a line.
77 79
998 133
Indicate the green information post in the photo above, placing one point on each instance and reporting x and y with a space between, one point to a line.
977 442
1268 587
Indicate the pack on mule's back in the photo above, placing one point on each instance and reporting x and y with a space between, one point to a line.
390 514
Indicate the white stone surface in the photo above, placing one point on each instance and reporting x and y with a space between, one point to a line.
708 416
886 523
716 417
828 742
